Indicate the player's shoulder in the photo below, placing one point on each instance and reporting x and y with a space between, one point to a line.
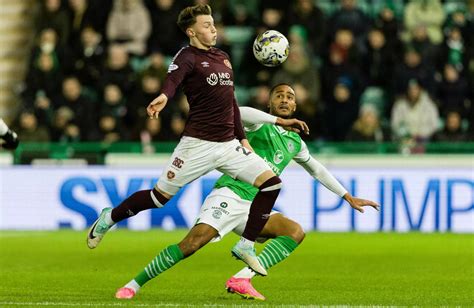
220 52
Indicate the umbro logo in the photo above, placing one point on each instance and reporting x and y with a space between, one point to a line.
205 64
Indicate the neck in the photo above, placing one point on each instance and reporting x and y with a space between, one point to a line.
196 43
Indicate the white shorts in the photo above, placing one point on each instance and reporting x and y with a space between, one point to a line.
225 211
193 158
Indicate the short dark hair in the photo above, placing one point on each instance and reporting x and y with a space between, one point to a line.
278 85
187 17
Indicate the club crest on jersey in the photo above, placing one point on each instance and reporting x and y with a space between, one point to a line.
278 157
227 63
172 67
170 175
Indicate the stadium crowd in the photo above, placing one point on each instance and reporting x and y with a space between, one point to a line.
363 70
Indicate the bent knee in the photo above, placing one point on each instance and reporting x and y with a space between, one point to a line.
297 233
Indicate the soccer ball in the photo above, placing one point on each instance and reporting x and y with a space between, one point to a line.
271 48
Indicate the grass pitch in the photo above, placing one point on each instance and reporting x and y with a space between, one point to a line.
385 269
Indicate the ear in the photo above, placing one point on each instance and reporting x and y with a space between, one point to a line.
190 32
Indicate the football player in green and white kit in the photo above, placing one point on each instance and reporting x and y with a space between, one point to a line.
227 207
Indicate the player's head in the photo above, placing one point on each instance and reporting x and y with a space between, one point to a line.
282 100
197 23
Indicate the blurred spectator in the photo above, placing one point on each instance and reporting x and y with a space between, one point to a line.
61 128
164 14
308 110
44 77
54 16
452 131
414 116
298 68
117 69
453 50
129 25
84 113
115 105
390 26
29 130
428 13
306 14
350 17
452 91
149 89
423 45
47 43
413 68
240 13
379 60
367 127
109 129
89 56
345 47
342 110
156 65
273 18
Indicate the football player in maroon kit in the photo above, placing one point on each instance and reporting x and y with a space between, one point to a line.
213 139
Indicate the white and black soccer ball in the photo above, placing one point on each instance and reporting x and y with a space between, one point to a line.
271 48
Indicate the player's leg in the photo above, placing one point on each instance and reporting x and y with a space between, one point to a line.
197 237
9 136
249 167
286 235
189 161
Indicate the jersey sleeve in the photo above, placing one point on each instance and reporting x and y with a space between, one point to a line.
253 118
182 65
238 129
318 171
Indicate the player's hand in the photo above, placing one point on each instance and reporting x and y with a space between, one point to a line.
155 107
358 204
294 125
245 143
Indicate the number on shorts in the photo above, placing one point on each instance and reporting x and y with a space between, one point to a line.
243 150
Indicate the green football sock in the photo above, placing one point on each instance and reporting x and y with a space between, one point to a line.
277 250
167 258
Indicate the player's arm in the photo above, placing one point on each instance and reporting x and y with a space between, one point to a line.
253 119
320 173
238 128
181 66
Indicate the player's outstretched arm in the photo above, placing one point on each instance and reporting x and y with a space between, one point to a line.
252 118
155 107
320 173
358 203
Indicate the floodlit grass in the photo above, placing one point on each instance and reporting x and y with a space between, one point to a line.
383 269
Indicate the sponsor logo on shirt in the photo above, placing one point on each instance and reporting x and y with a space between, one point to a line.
212 79
223 79
272 166
172 67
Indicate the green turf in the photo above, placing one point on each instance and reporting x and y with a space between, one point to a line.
57 269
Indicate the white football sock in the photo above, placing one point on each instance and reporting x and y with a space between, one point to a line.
133 285
3 128
246 272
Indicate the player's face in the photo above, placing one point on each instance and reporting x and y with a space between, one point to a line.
283 102
204 31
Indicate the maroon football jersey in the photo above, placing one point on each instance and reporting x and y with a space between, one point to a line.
208 82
